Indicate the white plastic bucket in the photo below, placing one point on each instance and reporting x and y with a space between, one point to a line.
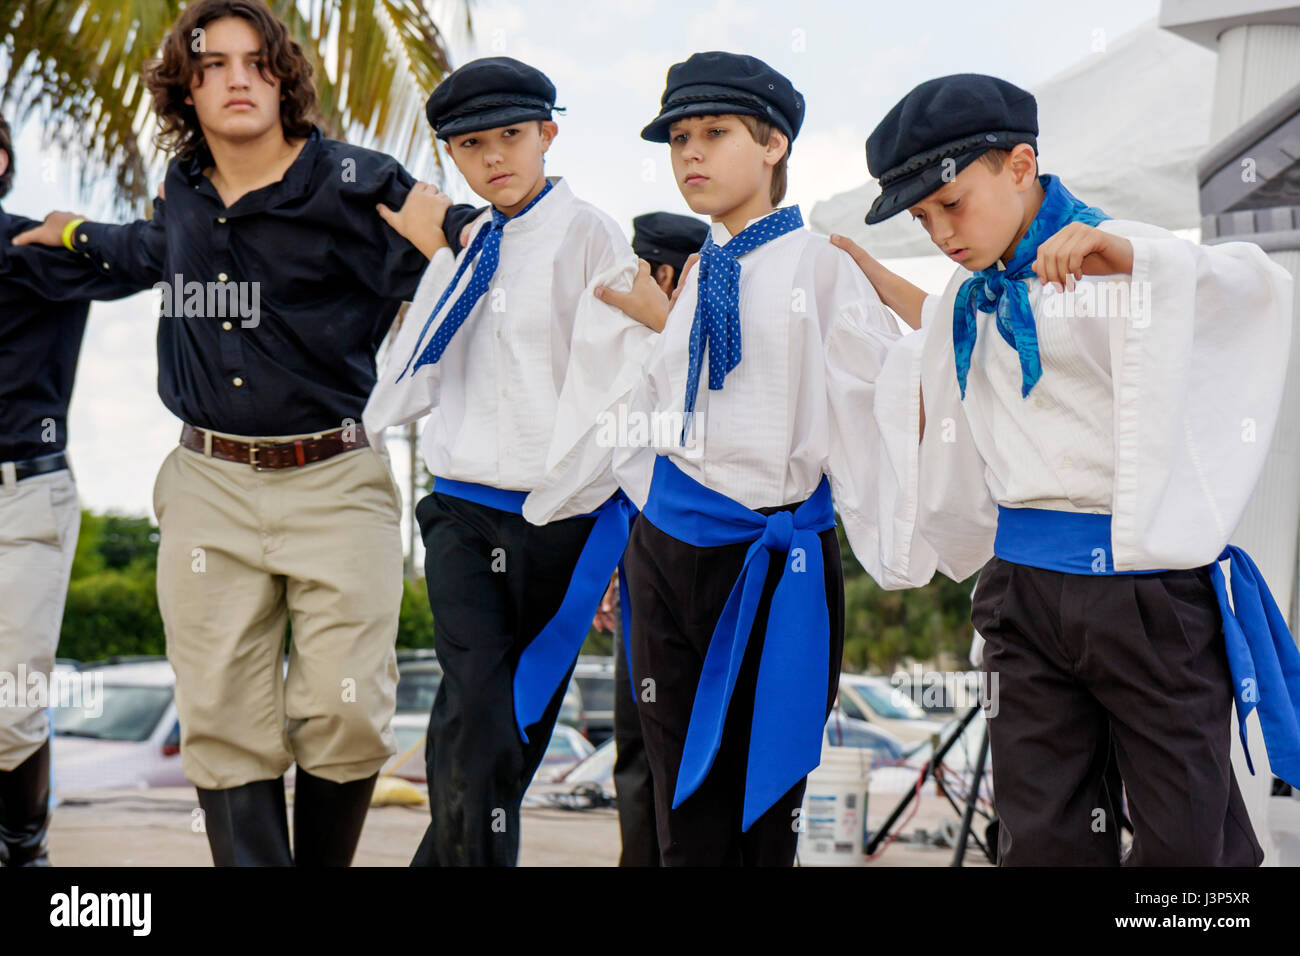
834 814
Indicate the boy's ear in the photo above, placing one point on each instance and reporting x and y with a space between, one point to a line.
1023 165
4 162
778 144
549 131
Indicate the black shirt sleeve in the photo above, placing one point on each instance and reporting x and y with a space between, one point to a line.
57 275
379 256
132 253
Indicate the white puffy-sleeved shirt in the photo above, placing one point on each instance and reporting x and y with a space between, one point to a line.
492 398
1158 398
787 414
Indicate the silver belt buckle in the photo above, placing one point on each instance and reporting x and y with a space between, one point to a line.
253 448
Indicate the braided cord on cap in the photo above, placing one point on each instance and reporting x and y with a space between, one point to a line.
990 140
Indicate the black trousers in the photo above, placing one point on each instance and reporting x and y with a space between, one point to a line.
678 592
633 785
1085 663
494 581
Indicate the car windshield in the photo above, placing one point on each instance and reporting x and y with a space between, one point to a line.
417 686
888 702
129 714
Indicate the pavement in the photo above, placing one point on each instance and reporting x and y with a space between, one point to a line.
158 827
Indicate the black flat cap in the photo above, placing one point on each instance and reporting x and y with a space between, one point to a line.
954 117
489 92
717 83
667 237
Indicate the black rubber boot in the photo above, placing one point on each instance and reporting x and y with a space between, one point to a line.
327 819
25 810
247 825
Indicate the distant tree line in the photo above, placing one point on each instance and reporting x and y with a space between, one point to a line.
112 606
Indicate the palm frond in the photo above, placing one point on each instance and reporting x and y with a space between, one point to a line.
76 65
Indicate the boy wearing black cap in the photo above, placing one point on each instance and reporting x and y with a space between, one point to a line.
487 351
733 568
1091 445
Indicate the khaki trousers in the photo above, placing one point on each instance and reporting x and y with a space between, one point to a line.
39 521
243 552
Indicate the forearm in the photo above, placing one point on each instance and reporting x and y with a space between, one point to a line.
898 294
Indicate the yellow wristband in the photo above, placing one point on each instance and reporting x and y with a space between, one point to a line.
68 230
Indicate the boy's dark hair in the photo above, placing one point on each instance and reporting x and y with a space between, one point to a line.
7 145
761 130
168 79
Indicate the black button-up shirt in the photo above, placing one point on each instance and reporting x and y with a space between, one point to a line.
40 340
273 309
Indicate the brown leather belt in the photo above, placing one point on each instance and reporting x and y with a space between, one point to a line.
273 455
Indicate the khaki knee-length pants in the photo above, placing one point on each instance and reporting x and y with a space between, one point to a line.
241 553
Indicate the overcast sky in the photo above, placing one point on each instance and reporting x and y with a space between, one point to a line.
608 62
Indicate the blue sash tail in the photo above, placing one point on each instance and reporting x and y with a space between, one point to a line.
550 655
1262 655
790 700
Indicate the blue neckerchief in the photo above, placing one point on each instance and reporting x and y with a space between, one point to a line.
487 247
717 310
1262 657
548 658
789 720
1003 291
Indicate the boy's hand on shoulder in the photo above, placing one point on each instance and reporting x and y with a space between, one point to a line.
1079 250
895 291
420 218
646 302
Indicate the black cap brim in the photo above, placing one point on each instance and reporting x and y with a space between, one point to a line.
491 119
657 131
910 190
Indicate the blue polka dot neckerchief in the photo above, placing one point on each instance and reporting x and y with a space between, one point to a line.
487 248
1004 292
717 311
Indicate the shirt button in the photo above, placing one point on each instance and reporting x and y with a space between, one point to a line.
238 382
227 326
1038 403
105 265
83 238
221 219
222 276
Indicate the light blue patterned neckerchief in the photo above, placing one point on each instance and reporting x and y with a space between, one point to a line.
1003 292
487 247
717 310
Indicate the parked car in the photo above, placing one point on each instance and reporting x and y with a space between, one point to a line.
565 750
592 778
566 747
885 749
595 679
878 702
420 674
134 742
